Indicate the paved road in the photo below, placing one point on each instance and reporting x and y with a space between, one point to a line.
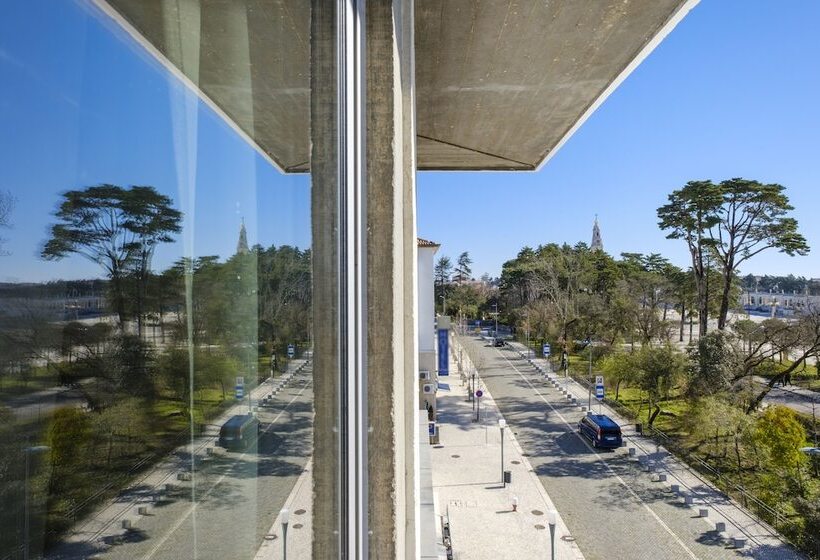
42 403
799 399
610 509
228 507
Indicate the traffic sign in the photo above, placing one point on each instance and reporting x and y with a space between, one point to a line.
479 393
599 379
291 351
599 392
546 349
239 388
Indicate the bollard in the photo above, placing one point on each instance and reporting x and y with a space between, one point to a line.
632 451
583 408
702 512
142 510
689 500
720 527
675 488
739 542
126 523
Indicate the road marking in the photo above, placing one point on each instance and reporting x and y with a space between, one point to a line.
193 507
601 459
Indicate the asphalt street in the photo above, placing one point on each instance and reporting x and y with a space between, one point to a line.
611 508
799 399
228 507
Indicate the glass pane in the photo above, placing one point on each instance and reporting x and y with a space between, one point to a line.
155 280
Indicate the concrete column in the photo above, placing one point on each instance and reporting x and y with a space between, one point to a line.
324 126
390 278
412 469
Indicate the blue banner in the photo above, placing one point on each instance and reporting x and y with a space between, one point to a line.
443 352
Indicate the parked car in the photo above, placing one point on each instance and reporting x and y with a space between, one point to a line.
497 341
239 432
601 430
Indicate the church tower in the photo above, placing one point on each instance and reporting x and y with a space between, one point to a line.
242 245
597 242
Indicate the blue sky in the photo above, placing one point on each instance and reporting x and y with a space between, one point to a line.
88 106
731 92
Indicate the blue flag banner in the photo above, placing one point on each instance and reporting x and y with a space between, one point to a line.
443 352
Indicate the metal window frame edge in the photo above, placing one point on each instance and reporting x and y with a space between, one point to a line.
352 252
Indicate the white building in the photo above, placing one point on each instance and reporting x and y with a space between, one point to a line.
426 304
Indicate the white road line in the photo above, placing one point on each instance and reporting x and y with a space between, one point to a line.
193 507
599 458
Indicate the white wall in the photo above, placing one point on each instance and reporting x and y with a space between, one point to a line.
426 311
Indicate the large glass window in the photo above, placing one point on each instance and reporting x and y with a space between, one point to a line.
156 379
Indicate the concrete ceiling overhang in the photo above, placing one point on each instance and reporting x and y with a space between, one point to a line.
500 85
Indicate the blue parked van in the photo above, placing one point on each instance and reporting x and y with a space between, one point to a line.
239 432
601 430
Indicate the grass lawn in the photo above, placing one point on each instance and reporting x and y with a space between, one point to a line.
672 409
37 379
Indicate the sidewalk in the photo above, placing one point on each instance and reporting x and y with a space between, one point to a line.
762 541
300 528
468 489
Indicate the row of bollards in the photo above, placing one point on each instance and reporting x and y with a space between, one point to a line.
281 386
170 489
644 461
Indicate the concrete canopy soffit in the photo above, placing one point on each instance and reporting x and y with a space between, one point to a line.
500 85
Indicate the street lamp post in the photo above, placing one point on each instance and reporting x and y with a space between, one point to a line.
285 519
496 318
26 521
527 324
502 424
552 519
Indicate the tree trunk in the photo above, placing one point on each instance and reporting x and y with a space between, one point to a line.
703 308
654 413
119 300
737 456
691 326
682 320
772 382
724 300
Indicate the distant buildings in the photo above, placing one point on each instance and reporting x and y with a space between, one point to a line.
769 302
55 301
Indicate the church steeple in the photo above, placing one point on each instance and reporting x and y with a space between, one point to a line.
242 245
597 242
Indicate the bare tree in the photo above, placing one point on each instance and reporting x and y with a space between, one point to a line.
799 340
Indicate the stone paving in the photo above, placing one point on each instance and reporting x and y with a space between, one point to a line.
484 523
